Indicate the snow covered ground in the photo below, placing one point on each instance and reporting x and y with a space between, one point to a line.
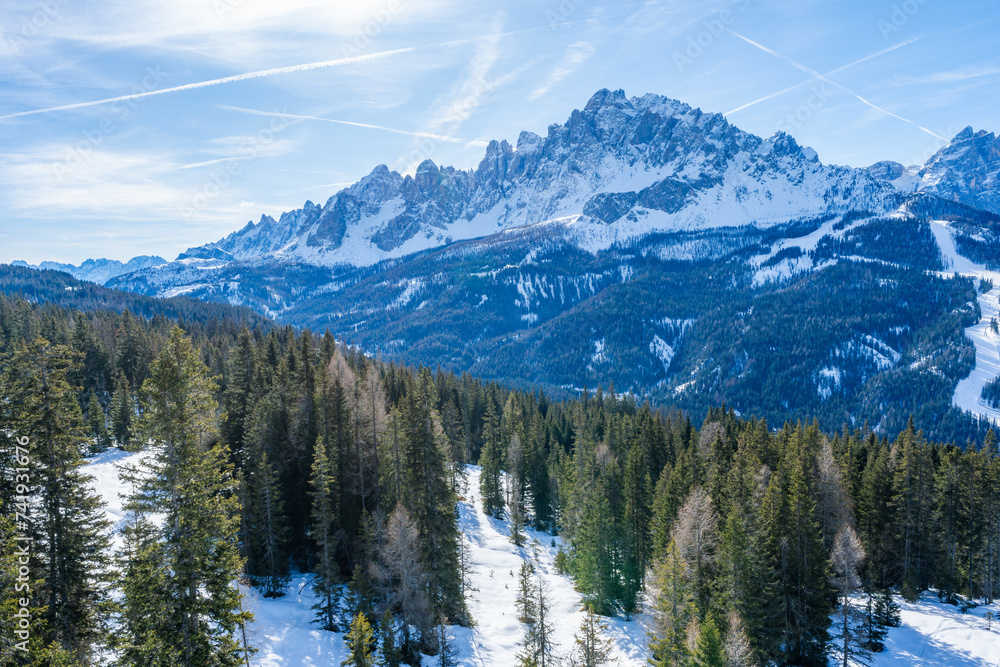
494 640
285 636
968 393
932 634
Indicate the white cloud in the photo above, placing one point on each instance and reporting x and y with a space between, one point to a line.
952 76
575 56
57 180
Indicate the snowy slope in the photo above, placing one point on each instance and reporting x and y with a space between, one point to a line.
496 563
932 634
968 393
284 635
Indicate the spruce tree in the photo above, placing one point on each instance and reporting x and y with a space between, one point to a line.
98 424
709 650
429 498
324 531
67 520
490 460
122 413
913 502
193 555
525 600
265 528
537 646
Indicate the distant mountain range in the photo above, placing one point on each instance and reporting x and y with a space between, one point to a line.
642 243
98 271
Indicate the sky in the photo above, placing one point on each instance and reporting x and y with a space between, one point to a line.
131 127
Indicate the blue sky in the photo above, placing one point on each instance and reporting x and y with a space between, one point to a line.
236 108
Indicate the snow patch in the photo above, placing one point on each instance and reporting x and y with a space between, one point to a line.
659 348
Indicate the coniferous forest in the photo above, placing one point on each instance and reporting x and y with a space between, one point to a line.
273 450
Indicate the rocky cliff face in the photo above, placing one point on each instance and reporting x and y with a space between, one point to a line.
621 167
967 171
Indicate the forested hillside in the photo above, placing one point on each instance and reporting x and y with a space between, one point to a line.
740 540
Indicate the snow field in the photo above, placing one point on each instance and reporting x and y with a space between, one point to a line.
934 634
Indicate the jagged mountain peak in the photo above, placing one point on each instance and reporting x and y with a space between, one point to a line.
623 166
100 270
966 170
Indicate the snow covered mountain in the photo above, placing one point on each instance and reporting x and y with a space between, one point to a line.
101 270
967 170
647 245
621 168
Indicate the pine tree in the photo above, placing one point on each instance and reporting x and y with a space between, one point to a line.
490 484
592 648
193 556
672 609
360 641
709 651
68 523
266 529
326 583
122 413
98 423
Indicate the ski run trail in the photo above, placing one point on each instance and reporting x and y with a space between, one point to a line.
968 393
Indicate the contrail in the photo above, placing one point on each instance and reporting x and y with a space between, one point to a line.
830 73
823 78
279 114
350 60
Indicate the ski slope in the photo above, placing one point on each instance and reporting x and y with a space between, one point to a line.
968 393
